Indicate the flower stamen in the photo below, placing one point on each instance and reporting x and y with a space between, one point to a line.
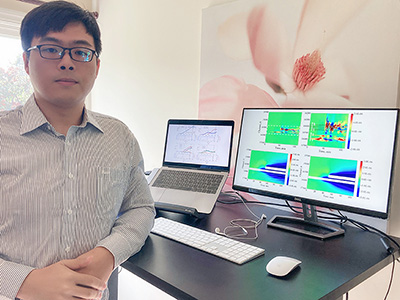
308 70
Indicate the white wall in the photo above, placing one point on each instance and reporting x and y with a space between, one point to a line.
150 72
150 66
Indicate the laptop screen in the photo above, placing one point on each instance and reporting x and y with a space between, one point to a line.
204 144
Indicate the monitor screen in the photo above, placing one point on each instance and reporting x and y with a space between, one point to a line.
335 158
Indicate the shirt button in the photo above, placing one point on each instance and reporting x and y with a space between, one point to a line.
68 249
70 176
69 211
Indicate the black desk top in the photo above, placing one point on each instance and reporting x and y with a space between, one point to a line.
329 268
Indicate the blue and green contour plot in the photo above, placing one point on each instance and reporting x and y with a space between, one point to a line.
328 130
283 128
268 166
332 175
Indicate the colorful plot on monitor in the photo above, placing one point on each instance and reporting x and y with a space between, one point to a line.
268 166
283 128
328 130
332 175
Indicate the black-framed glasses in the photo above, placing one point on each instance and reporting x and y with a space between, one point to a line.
54 52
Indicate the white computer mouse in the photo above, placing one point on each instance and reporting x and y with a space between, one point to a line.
282 265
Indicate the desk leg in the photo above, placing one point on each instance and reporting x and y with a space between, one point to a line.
113 285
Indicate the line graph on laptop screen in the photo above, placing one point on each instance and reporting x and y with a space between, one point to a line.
198 144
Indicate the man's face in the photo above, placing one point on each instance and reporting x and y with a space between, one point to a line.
63 83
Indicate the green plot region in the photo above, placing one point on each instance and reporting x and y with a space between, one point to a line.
332 175
328 130
268 166
283 128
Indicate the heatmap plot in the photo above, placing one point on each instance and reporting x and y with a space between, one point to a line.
283 128
268 166
332 175
328 130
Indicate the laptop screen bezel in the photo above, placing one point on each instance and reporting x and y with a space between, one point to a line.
197 122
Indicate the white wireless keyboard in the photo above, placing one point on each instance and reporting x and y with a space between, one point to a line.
229 249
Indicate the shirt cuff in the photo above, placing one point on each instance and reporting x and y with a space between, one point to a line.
12 275
119 248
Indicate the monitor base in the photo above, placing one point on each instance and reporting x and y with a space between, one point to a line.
308 226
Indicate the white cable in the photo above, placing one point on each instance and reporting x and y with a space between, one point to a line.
235 224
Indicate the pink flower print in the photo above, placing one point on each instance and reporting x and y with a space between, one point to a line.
225 97
308 70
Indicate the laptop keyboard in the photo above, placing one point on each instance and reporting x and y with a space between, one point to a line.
212 243
188 181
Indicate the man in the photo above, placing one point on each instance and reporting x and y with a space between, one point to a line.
74 203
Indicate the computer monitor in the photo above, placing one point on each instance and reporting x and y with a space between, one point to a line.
333 158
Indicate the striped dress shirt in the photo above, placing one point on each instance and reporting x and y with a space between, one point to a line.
61 196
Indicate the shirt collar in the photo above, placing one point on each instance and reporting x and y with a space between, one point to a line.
33 118
89 117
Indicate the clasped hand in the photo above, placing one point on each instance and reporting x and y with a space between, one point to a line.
63 280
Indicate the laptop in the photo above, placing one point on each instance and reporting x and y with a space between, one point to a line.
193 148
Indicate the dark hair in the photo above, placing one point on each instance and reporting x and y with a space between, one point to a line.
54 16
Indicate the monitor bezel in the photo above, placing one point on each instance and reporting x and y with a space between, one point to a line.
316 202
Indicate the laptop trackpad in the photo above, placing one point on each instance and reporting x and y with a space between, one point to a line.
183 198
156 193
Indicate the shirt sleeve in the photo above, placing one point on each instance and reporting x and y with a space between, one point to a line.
136 215
12 275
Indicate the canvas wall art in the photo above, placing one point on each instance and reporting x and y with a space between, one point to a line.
298 53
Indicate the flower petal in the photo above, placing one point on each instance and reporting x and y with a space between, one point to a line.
225 97
317 98
268 44
232 37
331 16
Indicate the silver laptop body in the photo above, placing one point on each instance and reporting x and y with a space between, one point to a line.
200 148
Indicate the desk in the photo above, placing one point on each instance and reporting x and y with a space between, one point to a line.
329 268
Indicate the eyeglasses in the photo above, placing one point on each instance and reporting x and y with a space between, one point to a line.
54 52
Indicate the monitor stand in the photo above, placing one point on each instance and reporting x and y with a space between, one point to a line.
309 225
